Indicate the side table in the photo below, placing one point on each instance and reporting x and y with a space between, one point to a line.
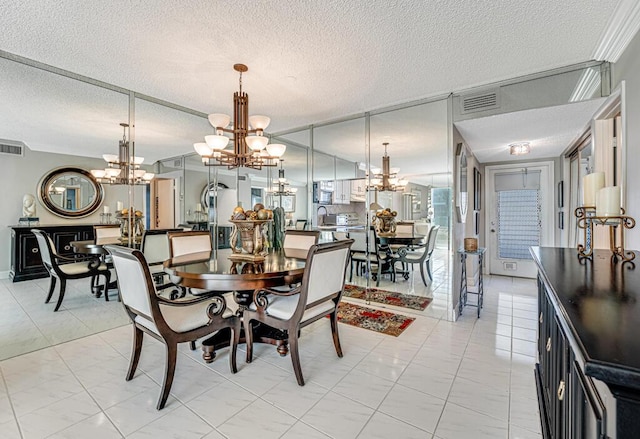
463 278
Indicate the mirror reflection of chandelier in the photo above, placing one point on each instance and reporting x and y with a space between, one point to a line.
251 148
386 179
122 168
281 185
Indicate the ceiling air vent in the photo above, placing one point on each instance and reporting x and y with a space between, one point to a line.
10 147
177 163
480 102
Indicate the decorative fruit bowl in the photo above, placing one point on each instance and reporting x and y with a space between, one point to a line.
252 229
385 222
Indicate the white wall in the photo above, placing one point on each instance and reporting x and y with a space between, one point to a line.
627 69
20 175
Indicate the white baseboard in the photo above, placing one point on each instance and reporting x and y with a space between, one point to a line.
4 274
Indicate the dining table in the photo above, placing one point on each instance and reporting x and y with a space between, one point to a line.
399 239
89 247
221 271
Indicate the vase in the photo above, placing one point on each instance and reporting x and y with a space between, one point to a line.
251 234
385 225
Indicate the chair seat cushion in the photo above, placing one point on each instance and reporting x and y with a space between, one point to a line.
76 268
283 307
182 318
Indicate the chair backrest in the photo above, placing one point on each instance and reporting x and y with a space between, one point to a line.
47 249
324 274
431 239
301 224
155 245
422 229
404 228
340 236
300 239
106 234
136 287
360 240
182 243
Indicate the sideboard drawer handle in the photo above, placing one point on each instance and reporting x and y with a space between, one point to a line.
35 250
561 391
67 247
549 344
540 318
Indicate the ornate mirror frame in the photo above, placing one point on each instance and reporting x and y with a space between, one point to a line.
45 196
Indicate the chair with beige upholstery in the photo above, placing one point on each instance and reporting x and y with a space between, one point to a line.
317 296
155 248
63 267
301 224
167 321
366 254
106 234
183 243
300 239
421 255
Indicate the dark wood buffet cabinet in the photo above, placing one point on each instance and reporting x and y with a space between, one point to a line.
588 371
26 262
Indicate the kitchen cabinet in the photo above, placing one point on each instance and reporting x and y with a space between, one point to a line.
26 262
588 369
358 190
342 192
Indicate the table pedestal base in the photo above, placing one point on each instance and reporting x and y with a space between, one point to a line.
261 334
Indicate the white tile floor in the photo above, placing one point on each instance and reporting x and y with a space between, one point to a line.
467 379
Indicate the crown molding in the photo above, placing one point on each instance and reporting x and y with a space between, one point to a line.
620 30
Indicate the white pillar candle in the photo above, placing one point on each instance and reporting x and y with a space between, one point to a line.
119 206
198 207
608 201
591 184
105 209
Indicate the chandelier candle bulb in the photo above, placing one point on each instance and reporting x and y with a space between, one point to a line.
591 184
119 206
105 209
198 207
608 201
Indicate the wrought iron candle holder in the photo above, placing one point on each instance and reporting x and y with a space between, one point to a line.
587 217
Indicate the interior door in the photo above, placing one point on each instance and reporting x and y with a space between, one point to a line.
163 206
521 214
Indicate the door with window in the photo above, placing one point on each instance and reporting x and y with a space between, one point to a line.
521 215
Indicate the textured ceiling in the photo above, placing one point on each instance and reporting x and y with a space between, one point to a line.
308 61
549 131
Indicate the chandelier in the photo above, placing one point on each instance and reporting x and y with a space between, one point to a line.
122 168
251 148
386 179
281 186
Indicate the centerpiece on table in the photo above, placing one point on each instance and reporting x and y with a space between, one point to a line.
133 225
385 222
251 227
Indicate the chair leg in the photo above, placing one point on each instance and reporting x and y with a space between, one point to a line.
135 352
52 286
63 287
428 263
192 345
235 340
248 337
422 274
107 280
295 356
333 317
379 273
169 371
351 271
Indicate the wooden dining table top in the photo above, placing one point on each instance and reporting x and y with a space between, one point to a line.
401 239
216 271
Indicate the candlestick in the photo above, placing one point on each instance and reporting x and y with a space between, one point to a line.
608 201
198 207
119 206
591 183
105 209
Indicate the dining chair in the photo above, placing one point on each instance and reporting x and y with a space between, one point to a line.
170 322
106 234
64 267
155 248
421 255
366 254
317 296
182 243
301 224
300 239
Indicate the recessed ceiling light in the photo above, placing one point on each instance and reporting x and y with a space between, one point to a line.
519 148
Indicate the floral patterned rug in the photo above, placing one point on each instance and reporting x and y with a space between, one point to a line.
380 321
387 297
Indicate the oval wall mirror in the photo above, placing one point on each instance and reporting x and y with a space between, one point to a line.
462 195
70 192
208 193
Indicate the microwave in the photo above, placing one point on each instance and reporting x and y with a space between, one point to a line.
321 196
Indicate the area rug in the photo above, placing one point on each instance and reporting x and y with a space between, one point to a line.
387 297
380 321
